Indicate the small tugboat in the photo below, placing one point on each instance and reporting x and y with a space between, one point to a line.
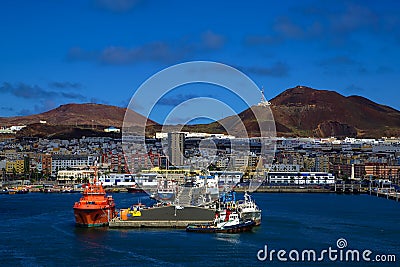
226 222
94 208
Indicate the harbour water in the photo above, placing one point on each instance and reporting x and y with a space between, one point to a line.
38 230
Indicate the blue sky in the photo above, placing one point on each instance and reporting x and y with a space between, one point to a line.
58 52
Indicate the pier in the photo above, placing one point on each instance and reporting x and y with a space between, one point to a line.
117 223
286 189
352 188
164 217
385 193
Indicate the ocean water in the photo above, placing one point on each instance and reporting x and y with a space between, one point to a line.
38 230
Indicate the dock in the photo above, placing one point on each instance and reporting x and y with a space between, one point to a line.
164 217
285 189
385 193
117 223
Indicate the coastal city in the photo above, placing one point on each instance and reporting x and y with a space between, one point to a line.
199 133
297 162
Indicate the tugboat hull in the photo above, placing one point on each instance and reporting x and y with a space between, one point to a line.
209 228
254 216
94 208
93 217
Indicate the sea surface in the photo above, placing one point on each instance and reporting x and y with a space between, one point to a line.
38 230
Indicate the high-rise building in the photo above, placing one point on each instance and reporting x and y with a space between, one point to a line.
46 164
176 147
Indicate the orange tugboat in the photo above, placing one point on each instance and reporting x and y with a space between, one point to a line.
94 208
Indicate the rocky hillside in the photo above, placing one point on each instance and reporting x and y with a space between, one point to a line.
299 111
80 114
305 111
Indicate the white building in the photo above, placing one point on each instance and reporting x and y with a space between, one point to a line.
112 130
163 135
64 162
227 177
74 176
123 179
386 147
300 178
283 167
12 129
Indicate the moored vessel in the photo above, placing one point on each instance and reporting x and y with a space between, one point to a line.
135 189
94 208
166 190
13 190
228 222
248 209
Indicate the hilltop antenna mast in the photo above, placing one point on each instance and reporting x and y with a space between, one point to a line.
264 102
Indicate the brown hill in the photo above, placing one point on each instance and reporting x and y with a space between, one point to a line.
306 111
75 120
303 111
63 131
299 111
80 114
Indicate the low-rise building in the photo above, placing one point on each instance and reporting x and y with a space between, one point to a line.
143 180
227 177
283 168
74 176
64 162
299 178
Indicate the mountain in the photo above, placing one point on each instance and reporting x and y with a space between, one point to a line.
80 114
306 111
299 111
303 111
76 120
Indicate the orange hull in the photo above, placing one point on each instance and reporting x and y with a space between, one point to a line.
92 215
94 208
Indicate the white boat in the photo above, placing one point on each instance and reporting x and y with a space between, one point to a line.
166 190
248 209
225 222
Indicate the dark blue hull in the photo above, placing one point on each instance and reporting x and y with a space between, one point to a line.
210 228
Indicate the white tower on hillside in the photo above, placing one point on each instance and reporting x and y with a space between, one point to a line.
264 102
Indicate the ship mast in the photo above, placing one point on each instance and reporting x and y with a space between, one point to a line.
95 171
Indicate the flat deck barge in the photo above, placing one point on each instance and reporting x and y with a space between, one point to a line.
164 217
117 223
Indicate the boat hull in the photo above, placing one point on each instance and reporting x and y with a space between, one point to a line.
165 196
93 217
209 228
253 215
135 190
